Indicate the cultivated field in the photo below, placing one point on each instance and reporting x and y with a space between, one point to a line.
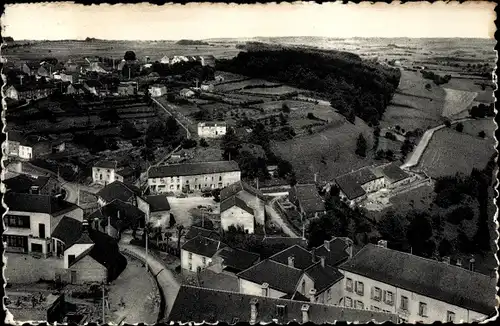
450 152
279 90
239 85
457 103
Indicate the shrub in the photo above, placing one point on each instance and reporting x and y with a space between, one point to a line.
311 116
188 143
482 134
447 123
203 142
459 127
390 135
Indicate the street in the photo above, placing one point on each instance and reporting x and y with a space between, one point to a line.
277 219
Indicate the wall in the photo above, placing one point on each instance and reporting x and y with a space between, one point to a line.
374 185
248 287
12 147
256 204
77 249
309 285
436 310
196 261
237 217
211 131
108 175
143 206
196 182
25 152
89 270
11 93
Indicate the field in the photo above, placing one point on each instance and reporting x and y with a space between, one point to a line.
457 103
335 146
450 152
239 85
279 90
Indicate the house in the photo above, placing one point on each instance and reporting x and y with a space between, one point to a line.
186 93
233 260
72 78
212 129
93 86
159 208
58 146
157 90
307 200
271 245
234 212
122 191
294 269
89 256
202 305
177 59
207 60
127 89
415 288
30 68
165 60
394 176
76 89
193 176
12 142
197 253
33 147
355 185
105 172
336 251
29 92
45 70
207 87
26 184
71 67
203 231
32 218
116 217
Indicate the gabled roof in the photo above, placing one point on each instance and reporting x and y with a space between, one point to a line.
22 183
285 241
68 231
118 190
351 183
236 187
203 246
336 253
121 214
279 276
323 277
193 169
452 284
297 296
308 197
15 135
303 259
195 304
158 203
238 259
194 231
394 173
235 201
38 204
106 164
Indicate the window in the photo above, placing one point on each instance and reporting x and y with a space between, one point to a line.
204 260
359 305
376 293
220 178
71 259
388 298
280 310
190 266
360 288
109 170
303 286
16 241
348 284
404 302
190 256
348 302
18 221
329 294
178 187
374 308
422 309
450 316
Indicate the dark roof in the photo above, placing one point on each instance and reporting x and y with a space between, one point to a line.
336 253
203 246
68 231
234 201
193 169
22 183
37 204
32 64
118 190
297 296
431 278
285 241
323 277
394 173
93 83
158 203
14 135
238 259
279 276
309 199
351 183
303 259
194 231
106 164
194 304
236 187
121 214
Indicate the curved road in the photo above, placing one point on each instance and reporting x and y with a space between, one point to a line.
276 218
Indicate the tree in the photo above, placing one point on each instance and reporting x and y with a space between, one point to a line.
109 115
459 214
447 123
180 233
311 116
216 194
428 87
130 56
482 134
361 146
230 145
171 221
188 143
203 142
459 127
445 248
419 233
393 229
285 108
129 131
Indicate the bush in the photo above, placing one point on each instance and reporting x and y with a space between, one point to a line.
482 134
285 108
311 116
188 143
203 142
390 135
459 127
428 86
447 123
361 146
459 214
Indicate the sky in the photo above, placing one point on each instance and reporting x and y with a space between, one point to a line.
58 21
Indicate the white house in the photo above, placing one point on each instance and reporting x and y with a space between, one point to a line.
417 289
207 87
197 253
249 196
355 185
192 176
186 93
234 212
178 59
157 90
212 129
165 60
105 172
32 219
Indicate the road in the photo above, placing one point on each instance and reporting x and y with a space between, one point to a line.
72 190
169 285
276 218
172 107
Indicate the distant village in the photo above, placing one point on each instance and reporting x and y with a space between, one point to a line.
112 169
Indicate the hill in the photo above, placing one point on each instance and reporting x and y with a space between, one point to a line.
191 42
354 86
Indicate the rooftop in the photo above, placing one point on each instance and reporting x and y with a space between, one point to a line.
335 251
186 169
309 198
22 183
68 231
118 190
351 183
234 201
106 164
236 187
158 203
303 259
194 231
431 278
238 259
394 173
38 204
121 214
203 246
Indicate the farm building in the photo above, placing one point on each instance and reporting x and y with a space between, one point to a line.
307 200
159 207
186 93
105 172
165 60
33 147
157 90
127 88
193 176
207 60
355 185
235 212
29 92
212 129
250 196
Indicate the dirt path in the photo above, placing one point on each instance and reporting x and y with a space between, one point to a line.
276 217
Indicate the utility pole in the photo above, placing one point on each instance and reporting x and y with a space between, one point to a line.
147 239
103 304
78 195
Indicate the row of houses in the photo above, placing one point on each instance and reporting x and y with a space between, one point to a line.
31 146
205 60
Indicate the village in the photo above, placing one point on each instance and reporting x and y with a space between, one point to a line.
145 189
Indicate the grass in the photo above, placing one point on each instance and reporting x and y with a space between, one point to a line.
473 127
450 151
335 144
457 103
239 85
279 90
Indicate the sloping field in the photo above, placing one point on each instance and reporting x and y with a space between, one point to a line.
335 145
228 87
279 90
450 152
457 102
473 127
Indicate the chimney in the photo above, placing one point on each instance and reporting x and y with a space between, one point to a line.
322 259
459 262
305 313
349 247
382 243
265 289
34 190
291 261
326 243
253 310
312 295
118 214
472 262
85 226
446 260
313 254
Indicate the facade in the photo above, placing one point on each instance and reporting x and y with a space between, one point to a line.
126 89
186 93
29 92
234 212
157 90
193 176
212 129
165 60
69 77
33 147
12 143
354 186
105 172
252 198
417 289
197 253
31 219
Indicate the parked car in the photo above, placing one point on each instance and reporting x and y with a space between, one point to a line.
181 195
